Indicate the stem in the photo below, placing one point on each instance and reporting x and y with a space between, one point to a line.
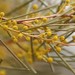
32 49
48 24
62 59
32 12
46 5
64 56
17 42
11 68
69 34
68 51
52 67
16 58
24 58
59 63
28 9
66 60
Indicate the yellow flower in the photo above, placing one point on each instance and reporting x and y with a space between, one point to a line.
49 33
35 6
62 38
5 27
9 22
15 27
68 1
2 14
20 35
27 38
25 27
42 35
14 39
65 41
47 29
19 55
14 22
44 19
36 21
58 49
55 38
50 60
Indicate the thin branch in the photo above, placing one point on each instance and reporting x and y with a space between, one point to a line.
16 58
46 5
62 59
32 49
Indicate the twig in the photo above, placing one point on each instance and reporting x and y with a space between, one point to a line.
32 49
25 66
17 42
45 4
62 59
14 55
32 12
11 68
